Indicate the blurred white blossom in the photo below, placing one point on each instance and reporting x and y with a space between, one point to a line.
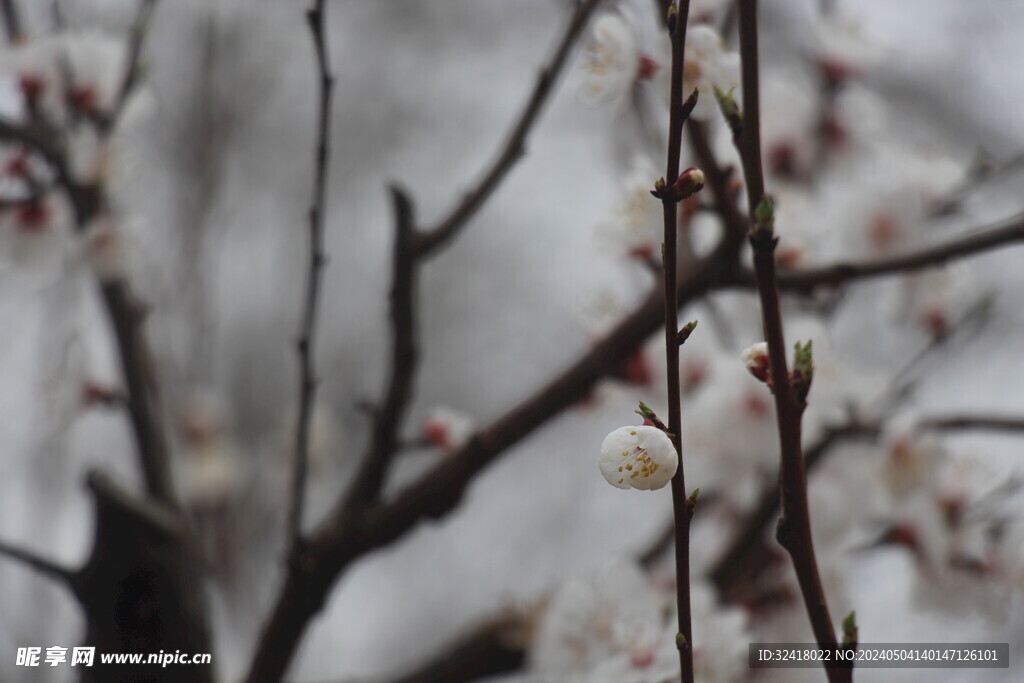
616 628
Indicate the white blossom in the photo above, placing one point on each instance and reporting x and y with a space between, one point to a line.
210 464
636 223
612 60
639 457
616 628
842 49
708 65
933 300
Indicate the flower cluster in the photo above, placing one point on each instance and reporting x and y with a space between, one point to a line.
619 58
70 90
618 627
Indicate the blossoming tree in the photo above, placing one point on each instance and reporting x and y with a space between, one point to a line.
235 503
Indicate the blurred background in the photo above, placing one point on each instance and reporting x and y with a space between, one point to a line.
212 181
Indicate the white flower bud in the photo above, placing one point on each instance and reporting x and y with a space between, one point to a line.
447 429
639 457
757 362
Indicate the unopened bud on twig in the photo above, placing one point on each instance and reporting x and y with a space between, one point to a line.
803 371
691 502
850 629
757 362
649 416
730 110
764 217
689 183
685 333
690 103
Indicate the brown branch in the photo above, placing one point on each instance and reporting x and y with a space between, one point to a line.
737 564
141 588
717 180
514 148
388 417
314 276
44 142
977 421
794 528
356 526
12 21
351 531
47 568
806 281
495 646
126 315
140 28
682 512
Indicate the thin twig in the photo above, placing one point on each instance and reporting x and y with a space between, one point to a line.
807 280
515 146
982 172
735 563
388 417
47 568
140 27
794 528
977 421
717 179
682 512
314 275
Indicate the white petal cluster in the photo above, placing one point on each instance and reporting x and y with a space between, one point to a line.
72 74
638 457
708 65
616 628
636 222
211 464
612 61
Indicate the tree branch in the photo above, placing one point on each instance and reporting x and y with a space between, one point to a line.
351 531
717 179
314 274
432 239
736 565
794 529
738 561
387 420
12 20
140 27
493 647
47 568
806 281
682 512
